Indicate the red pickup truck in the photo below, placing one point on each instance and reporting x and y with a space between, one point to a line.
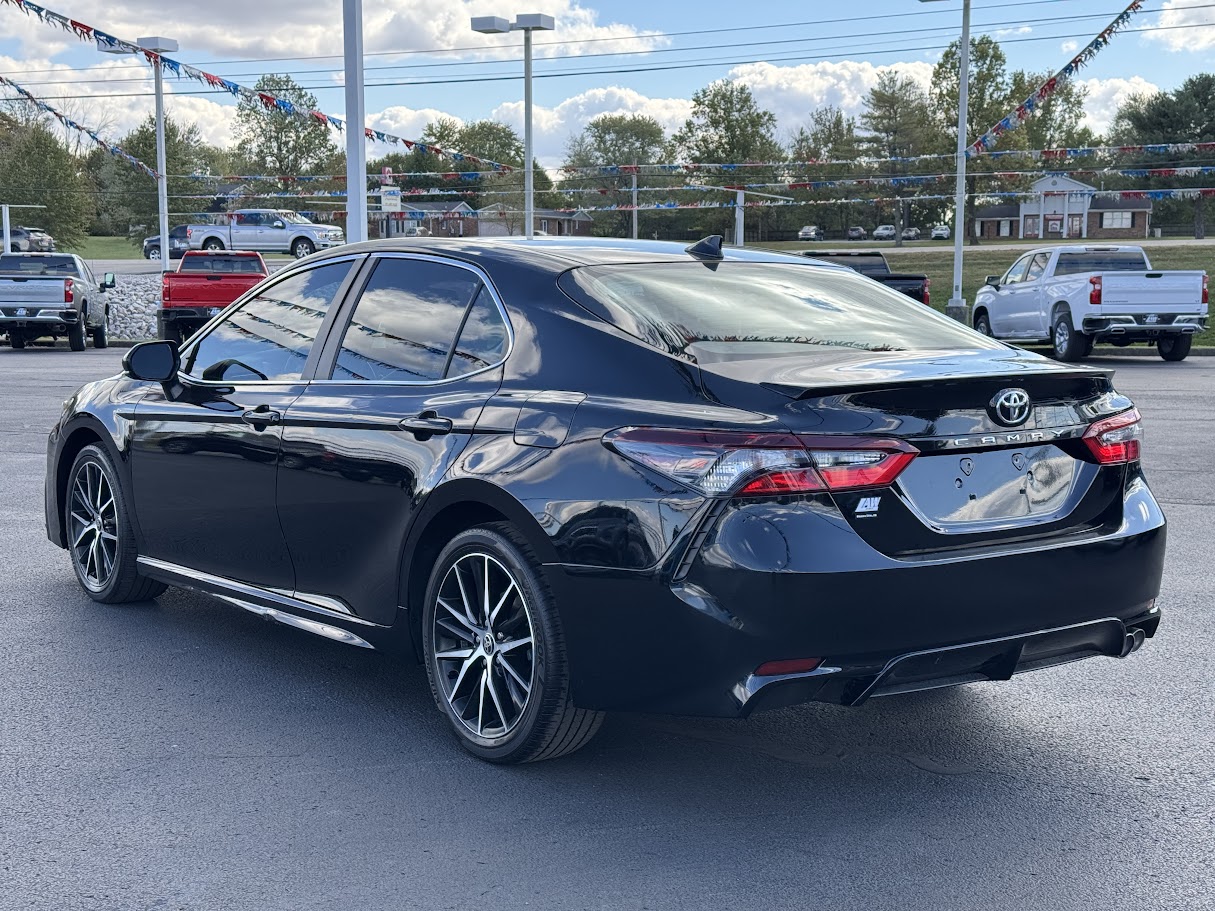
204 283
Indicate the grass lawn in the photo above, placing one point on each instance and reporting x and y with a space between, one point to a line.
107 248
978 263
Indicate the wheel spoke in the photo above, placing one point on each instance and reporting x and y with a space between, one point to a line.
83 532
519 681
472 620
460 632
455 687
501 601
514 644
481 703
485 591
459 616
455 654
493 694
106 558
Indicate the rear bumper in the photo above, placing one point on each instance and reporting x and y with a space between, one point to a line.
44 320
789 582
197 315
1135 328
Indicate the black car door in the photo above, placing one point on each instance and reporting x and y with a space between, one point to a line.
205 458
410 364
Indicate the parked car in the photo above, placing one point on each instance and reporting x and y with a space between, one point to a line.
30 240
502 453
940 232
178 244
203 285
265 231
1076 295
811 232
856 232
883 232
872 264
911 234
52 295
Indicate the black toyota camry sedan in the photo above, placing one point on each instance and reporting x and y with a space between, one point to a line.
578 476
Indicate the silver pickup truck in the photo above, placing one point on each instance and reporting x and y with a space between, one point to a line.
264 231
52 295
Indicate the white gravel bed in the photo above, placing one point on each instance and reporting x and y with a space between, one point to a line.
133 304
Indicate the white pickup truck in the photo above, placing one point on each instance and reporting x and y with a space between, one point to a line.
264 231
1073 296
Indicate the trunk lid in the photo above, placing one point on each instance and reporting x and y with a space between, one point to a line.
1143 292
986 472
17 291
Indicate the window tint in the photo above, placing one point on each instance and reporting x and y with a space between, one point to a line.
1037 266
39 265
1017 272
270 335
739 310
1098 261
405 322
483 339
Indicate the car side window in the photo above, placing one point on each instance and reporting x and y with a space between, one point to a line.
483 340
270 335
1037 266
405 324
1017 272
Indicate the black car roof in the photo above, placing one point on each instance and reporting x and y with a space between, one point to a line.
557 254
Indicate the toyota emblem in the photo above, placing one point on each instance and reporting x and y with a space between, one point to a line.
1010 407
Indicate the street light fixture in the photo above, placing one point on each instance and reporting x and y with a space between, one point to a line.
157 45
526 23
957 302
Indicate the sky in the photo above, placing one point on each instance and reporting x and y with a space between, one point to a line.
605 56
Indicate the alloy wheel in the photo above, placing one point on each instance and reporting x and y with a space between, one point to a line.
93 516
1063 335
483 645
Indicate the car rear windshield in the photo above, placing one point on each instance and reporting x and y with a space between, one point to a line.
719 311
221 264
1101 261
38 265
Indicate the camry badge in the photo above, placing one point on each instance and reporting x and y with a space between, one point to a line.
1009 407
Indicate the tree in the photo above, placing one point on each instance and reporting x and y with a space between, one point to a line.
989 97
1056 123
727 126
896 125
36 169
612 139
274 142
1187 114
829 136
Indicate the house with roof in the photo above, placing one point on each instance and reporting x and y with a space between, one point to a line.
501 219
1062 208
438 219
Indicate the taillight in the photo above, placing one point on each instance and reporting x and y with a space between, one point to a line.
1094 294
164 289
720 463
69 291
1205 296
189 233
927 294
1116 440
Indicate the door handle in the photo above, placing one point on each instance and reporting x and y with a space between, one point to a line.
427 423
260 417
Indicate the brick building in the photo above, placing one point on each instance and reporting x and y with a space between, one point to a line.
1063 208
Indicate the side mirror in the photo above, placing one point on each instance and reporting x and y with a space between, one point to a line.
108 281
993 280
156 362
279 225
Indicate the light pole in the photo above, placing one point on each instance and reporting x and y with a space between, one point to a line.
157 45
356 115
526 23
7 228
957 302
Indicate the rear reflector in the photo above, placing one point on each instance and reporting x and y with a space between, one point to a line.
763 464
788 666
1116 440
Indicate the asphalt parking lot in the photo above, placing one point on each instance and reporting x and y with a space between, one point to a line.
184 754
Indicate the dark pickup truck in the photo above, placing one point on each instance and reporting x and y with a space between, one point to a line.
204 284
874 265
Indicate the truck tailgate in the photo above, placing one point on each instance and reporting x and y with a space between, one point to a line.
1135 292
201 289
32 290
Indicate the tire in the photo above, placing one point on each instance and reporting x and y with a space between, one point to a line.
16 339
487 717
983 323
101 335
211 245
75 335
1176 348
302 247
1089 342
1067 344
154 253
102 549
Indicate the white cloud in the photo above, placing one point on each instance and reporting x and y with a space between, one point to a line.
1010 32
271 28
1106 95
1069 47
1182 21
407 122
793 92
